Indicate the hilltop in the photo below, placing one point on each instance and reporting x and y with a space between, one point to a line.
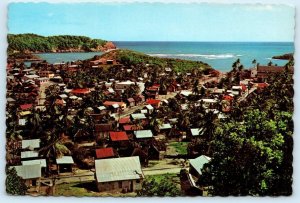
128 58
32 43
289 56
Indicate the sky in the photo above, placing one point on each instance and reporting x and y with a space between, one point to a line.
156 21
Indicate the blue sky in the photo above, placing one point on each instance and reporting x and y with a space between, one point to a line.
156 21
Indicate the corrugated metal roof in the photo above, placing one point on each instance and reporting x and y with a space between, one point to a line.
165 126
65 160
199 162
116 169
31 144
115 106
186 93
22 122
101 108
143 134
138 116
149 107
143 111
29 154
196 131
41 162
29 171
24 113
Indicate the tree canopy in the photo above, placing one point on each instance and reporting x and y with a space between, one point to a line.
252 152
37 43
15 185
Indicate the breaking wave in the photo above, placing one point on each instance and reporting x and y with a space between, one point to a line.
206 56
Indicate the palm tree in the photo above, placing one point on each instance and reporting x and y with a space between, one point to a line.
270 63
196 86
254 62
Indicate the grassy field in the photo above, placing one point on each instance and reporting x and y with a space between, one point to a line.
179 147
87 189
173 176
168 176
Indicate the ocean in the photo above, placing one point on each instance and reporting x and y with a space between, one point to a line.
220 55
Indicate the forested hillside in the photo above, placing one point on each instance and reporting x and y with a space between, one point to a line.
30 43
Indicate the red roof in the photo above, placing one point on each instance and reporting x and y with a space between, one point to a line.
227 97
81 91
153 101
104 153
243 87
262 85
152 88
131 127
130 100
59 102
118 136
127 127
25 106
124 120
110 103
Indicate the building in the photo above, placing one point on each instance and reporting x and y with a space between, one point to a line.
196 165
31 144
143 134
80 92
47 74
131 102
119 174
102 130
196 132
115 104
264 72
65 164
31 174
118 136
138 116
29 154
154 102
42 80
41 162
124 120
105 153
149 108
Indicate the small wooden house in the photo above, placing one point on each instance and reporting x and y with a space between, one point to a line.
31 174
197 164
119 174
65 164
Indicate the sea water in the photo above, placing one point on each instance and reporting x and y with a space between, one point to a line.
220 55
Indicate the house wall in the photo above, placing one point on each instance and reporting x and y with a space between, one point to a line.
193 171
253 73
120 186
33 184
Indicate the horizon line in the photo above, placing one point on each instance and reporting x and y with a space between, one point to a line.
221 41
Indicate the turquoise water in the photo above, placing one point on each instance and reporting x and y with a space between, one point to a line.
65 57
220 55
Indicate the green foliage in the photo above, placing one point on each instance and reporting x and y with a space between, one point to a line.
37 43
252 152
158 186
248 156
15 185
128 58
180 147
